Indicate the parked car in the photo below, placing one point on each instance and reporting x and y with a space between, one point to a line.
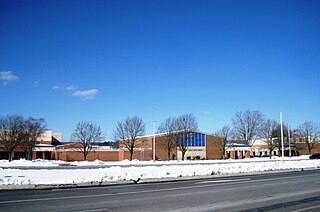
315 156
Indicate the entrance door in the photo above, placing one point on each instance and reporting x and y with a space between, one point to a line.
19 155
47 155
39 155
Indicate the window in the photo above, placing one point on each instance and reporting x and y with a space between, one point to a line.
197 139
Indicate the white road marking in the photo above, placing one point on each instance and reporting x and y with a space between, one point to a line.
94 210
222 181
306 209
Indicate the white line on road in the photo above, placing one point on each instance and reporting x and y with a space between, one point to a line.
222 181
306 209
95 210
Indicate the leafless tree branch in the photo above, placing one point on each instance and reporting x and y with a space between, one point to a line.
85 134
128 131
247 125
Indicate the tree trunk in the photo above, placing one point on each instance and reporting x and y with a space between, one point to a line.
9 156
131 153
309 149
85 153
183 154
223 153
28 155
168 155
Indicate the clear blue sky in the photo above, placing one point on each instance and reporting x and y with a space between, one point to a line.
101 61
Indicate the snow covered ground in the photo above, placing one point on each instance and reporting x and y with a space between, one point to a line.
133 170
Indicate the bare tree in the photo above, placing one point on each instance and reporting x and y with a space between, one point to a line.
225 133
309 132
247 125
33 129
11 133
186 126
85 134
268 132
169 140
128 131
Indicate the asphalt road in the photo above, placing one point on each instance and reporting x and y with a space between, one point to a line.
289 191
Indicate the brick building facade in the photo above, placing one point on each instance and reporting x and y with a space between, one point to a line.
200 146
45 148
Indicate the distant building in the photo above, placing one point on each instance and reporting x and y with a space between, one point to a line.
70 152
45 147
200 146
296 147
237 151
260 148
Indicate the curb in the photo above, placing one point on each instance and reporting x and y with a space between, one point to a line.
140 181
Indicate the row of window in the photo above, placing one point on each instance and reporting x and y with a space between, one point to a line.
197 139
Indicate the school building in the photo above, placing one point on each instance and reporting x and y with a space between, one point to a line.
199 146
45 148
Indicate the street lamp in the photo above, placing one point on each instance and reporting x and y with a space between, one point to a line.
154 141
289 141
281 128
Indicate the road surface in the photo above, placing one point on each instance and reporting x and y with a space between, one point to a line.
289 191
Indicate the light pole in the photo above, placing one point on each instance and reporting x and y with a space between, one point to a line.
281 128
154 142
289 141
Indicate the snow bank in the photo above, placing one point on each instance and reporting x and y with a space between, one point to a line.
138 170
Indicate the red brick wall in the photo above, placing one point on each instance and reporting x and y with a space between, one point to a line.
144 143
124 154
161 151
92 156
303 150
248 154
213 149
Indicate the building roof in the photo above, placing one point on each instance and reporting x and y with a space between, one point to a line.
163 134
237 145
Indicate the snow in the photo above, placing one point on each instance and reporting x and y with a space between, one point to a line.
23 172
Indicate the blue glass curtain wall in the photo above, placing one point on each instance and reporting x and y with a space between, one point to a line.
198 140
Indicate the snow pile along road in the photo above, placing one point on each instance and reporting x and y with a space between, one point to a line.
137 170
